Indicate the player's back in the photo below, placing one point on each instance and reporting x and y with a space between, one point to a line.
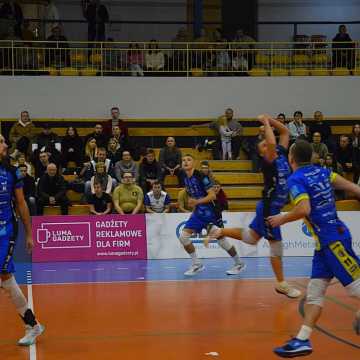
314 183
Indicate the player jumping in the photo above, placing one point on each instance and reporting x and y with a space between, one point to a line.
202 199
276 170
11 189
311 190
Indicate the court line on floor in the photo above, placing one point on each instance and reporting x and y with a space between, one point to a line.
32 348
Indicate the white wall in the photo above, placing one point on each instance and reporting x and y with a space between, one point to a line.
307 10
177 97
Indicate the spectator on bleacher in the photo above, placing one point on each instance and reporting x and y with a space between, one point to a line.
12 12
334 166
90 150
21 134
154 59
97 16
239 63
28 36
47 141
149 171
57 53
157 200
344 154
135 59
318 146
296 127
343 53
21 160
125 165
100 202
282 118
222 57
128 197
99 135
41 164
114 151
243 41
356 151
170 160
121 136
116 121
72 148
100 176
29 189
183 202
319 125
221 198
52 190
226 136
235 126
205 169
50 17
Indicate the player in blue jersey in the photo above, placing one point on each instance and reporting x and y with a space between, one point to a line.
276 170
311 190
11 192
202 199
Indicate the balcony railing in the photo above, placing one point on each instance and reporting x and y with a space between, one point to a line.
179 59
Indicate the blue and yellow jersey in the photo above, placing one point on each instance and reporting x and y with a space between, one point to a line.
314 184
276 173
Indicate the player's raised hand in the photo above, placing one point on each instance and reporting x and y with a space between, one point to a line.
264 118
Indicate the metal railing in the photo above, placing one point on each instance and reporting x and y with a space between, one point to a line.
179 59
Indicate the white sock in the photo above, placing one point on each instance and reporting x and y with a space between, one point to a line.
16 295
237 260
304 333
194 258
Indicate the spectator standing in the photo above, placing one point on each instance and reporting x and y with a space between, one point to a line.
99 135
100 202
21 134
170 160
183 202
225 134
72 148
356 151
126 165
12 12
344 154
319 125
57 53
246 43
97 16
343 49
136 60
29 189
128 197
221 199
52 190
319 147
149 171
157 200
235 126
51 17
154 59
296 127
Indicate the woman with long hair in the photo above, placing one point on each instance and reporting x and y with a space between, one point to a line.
71 147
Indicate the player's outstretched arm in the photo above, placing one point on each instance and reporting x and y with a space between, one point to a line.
339 183
284 134
300 211
270 139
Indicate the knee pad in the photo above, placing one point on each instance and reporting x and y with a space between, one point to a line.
316 291
276 248
354 288
185 238
225 243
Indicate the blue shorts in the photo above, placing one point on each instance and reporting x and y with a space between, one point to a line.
337 259
7 246
200 219
260 226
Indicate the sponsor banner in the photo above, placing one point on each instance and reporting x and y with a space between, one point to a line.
163 231
74 238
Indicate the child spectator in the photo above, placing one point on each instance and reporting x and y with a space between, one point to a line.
100 202
157 200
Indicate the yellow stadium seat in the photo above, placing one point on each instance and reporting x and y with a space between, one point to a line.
69 71
258 72
79 210
96 59
279 72
321 59
262 59
52 71
78 57
52 210
88 72
301 59
197 72
299 72
356 72
320 72
341 71
281 59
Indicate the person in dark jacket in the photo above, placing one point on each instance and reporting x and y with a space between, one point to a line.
149 171
356 151
55 53
52 190
41 164
343 49
29 189
99 135
97 16
72 148
12 11
344 154
320 126
170 160
114 151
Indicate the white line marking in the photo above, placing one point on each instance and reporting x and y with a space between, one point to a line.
50 270
73 269
99 269
122 268
169 267
32 348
